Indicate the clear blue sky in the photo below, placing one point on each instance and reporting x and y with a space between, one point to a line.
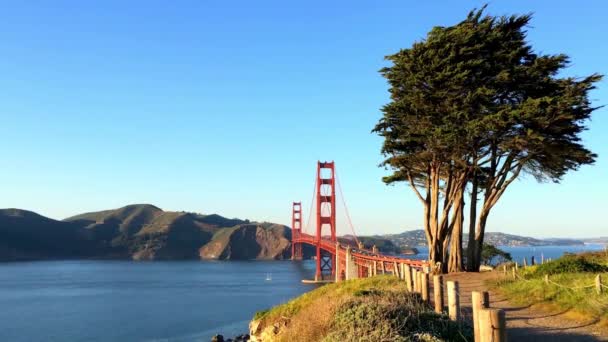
225 106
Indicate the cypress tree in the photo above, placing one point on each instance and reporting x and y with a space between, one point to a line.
472 108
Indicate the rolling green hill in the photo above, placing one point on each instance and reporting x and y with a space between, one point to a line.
27 235
146 232
140 232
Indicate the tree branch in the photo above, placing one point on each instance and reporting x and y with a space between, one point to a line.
411 181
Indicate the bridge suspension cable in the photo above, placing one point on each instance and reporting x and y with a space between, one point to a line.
336 259
350 222
312 201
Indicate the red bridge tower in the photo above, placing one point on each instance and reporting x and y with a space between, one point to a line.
296 231
326 216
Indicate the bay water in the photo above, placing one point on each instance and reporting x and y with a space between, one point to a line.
156 301
141 301
518 253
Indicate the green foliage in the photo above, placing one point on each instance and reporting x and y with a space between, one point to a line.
392 316
493 255
473 103
478 89
596 257
570 264
366 309
571 285
260 314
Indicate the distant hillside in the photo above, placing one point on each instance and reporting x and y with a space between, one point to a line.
249 241
27 235
384 245
601 240
413 238
140 232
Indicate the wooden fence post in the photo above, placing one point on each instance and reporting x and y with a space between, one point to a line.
453 301
532 262
542 258
513 271
492 325
416 283
413 280
438 293
337 264
598 284
414 287
547 279
425 287
525 262
408 277
479 300
396 270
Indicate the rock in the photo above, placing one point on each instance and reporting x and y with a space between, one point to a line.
239 338
485 268
249 241
255 327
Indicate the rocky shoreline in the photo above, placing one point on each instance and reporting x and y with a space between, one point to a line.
239 338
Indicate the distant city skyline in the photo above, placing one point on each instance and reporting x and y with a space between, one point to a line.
225 107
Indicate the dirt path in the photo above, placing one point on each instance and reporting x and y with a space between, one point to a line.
527 323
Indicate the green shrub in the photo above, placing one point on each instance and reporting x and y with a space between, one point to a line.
570 264
260 314
491 255
392 316
596 257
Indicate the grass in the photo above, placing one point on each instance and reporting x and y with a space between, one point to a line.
571 264
336 291
576 291
369 309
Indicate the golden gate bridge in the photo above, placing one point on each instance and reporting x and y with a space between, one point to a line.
345 257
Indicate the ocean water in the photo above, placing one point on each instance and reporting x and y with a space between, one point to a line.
519 253
140 301
155 301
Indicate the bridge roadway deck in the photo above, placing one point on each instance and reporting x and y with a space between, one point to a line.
360 255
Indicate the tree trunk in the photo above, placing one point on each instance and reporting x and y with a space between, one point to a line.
435 244
479 236
436 226
471 245
455 262
445 255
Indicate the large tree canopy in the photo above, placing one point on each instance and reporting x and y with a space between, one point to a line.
472 107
